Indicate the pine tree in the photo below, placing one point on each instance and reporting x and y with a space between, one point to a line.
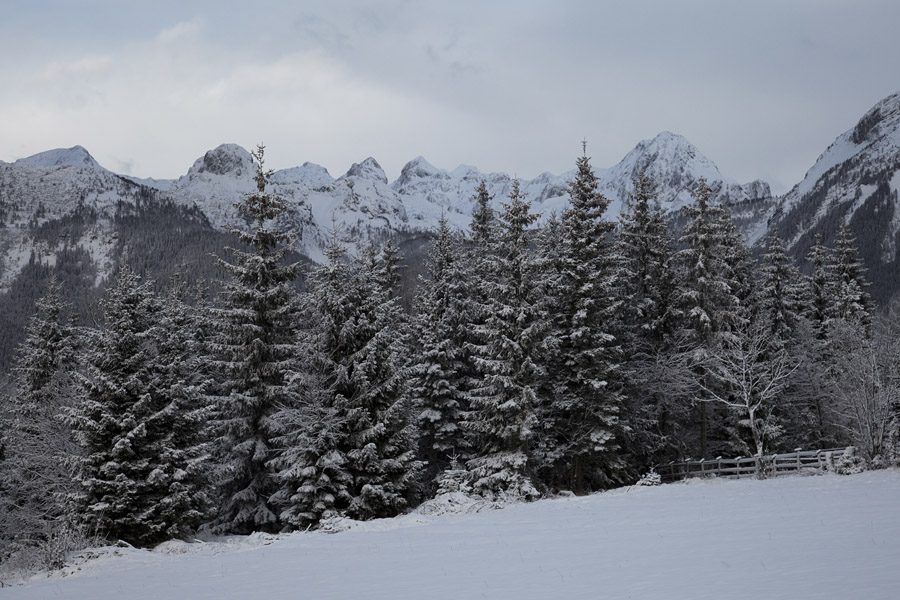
780 296
381 441
506 357
484 224
362 460
648 289
179 380
710 291
255 353
438 391
474 307
648 275
851 301
313 476
584 407
137 423
818 293
36 443
709 296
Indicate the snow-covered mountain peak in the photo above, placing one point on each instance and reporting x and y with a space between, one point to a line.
669 152
856 179
226 159
416 170
675 165
367 169
882 120
76 156
757 190
309 174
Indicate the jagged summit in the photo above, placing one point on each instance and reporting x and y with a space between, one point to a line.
364 205
417 169
367 169
225 159
880 121
76 156
856 179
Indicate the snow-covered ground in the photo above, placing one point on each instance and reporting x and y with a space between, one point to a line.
794 537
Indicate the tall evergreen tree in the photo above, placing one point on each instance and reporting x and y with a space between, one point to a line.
710 290
36 443
781 293
648 277
381 440
504 405
255 353
818 293
851 301
438 391
585 404
362 461
648 288
180 380
315 482
137 477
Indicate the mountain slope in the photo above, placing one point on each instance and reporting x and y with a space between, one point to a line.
857 179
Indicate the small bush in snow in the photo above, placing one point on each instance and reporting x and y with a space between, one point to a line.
454 479
849 463
650 478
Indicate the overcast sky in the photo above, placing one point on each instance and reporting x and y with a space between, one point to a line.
761 87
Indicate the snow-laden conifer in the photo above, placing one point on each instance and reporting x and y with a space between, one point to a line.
137 421
851 300
439 371
504 404
582 410
37 448
380 446
780 297
255 355
711 290
818 294
654 356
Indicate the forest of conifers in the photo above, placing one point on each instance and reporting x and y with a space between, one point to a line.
573 355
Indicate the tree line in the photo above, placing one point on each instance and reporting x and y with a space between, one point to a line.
573 355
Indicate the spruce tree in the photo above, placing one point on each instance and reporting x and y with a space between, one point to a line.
818 292
180 380
37 448
255 354
648 288
780 297
648 276
506 357
360 461
851 301
438 391
137 423
381 440
584 407
313 476
709 297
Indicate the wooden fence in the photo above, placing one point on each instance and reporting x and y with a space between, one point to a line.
772 465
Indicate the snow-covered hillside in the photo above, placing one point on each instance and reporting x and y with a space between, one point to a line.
828 537
859 170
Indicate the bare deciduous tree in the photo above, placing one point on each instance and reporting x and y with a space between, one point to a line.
750 376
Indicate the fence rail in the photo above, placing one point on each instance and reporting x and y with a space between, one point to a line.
771 465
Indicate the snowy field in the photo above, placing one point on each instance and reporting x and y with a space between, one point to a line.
796 538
